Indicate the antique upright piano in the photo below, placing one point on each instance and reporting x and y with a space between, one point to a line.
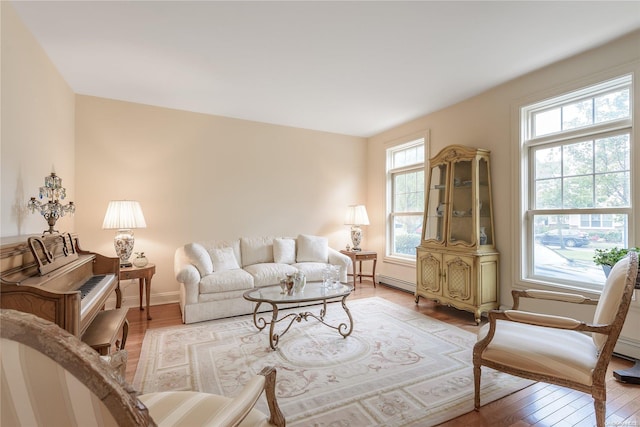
53 278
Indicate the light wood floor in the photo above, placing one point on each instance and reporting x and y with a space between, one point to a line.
540 404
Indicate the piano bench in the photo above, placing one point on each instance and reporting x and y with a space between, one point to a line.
103 331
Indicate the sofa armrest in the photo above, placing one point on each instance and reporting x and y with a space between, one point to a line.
341 260
187 274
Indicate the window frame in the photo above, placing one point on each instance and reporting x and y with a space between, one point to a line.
525 239
390 173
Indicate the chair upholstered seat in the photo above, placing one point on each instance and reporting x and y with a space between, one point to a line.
544 353
187 408
556 349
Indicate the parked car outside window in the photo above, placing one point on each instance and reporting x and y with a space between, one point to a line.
571 238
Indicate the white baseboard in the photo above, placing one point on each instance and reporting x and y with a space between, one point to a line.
131 301
397 283
627 347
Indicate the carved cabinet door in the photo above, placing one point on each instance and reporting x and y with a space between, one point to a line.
430 272
458 280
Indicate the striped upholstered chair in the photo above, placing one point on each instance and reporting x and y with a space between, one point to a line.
559 350
51 378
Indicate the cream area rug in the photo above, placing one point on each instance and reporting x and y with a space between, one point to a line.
397 368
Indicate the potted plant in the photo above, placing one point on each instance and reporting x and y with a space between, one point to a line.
608 257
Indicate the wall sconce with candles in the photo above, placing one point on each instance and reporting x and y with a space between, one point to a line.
52 210
355 217
124 215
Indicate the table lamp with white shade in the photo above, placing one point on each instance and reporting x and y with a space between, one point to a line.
124 216
355 217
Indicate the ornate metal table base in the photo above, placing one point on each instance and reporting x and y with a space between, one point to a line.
343 329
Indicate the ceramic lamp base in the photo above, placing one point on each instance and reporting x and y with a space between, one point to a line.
356 237
123 243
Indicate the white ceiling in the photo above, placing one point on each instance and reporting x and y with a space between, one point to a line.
354 68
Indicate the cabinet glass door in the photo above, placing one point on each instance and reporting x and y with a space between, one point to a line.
435 210
484 204
461 228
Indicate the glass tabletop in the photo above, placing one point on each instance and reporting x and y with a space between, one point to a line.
313 291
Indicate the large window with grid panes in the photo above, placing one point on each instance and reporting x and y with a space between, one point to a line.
405 198
577 174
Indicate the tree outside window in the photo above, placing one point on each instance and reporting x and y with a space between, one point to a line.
579 182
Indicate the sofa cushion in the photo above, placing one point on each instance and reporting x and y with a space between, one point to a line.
313 271
199 257
224 281
267 274
284 251
211 246
256 250
312 249
223 259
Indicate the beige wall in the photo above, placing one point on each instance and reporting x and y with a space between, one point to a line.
206 177
37 128
197 176
489 121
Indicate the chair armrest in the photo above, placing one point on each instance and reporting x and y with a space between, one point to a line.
559 322
276 416
550 295
546 320
239 407
118 362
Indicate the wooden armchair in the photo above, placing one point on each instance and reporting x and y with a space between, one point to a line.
50 377
559 350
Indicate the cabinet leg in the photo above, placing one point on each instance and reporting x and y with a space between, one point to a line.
417 298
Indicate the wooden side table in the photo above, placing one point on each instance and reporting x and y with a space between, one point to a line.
144 275
362 256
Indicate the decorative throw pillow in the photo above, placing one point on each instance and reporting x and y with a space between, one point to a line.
224 259
199 257
312 249
284 251
256 250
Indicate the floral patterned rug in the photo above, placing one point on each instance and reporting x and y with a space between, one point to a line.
397 368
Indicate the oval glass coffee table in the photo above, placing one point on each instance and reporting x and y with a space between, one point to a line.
312 292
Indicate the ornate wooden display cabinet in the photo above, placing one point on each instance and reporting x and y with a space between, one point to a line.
457 263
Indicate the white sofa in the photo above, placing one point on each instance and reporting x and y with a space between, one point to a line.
213 275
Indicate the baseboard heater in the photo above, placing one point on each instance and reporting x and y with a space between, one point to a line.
402 285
